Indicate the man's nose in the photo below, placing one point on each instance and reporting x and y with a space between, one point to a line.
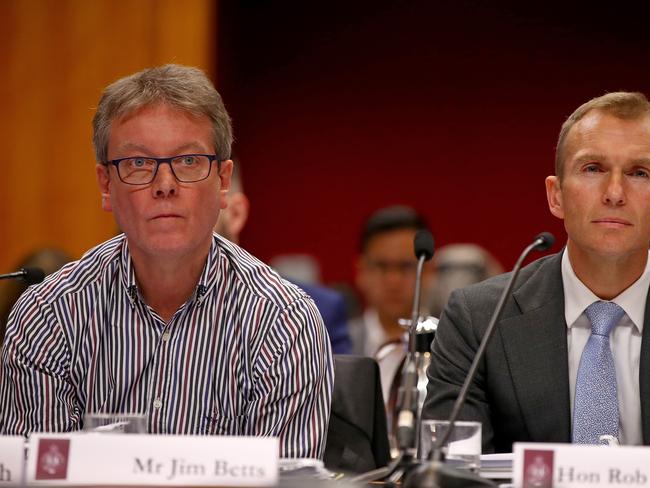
614 193
165 183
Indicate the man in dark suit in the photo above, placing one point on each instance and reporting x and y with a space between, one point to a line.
570 359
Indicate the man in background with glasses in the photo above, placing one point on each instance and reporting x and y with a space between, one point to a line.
168 319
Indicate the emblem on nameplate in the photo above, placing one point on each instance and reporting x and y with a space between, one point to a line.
52 459
538 468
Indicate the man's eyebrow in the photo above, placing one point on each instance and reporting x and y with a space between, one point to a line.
143 150
593 157
590 157
193 146
641 161
132 146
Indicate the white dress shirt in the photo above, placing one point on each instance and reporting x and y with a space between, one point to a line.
375 336
625 341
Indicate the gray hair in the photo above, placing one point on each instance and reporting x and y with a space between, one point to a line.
182 87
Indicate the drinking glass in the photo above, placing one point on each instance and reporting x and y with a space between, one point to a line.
116 423
463 449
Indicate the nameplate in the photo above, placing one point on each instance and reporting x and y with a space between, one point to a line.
129 459
537 465
12 460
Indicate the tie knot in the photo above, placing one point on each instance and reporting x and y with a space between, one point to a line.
603 316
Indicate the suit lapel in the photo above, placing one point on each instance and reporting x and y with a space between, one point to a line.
535 345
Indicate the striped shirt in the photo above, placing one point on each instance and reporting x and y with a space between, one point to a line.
247 354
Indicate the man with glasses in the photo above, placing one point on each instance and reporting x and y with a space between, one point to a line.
386 278
385 275
168 319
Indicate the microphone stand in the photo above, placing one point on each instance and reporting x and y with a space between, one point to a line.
407 419
435 474
16 275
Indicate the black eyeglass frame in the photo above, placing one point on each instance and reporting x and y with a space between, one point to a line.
211 157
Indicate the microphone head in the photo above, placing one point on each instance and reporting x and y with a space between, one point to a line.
423 244
31 276
545 241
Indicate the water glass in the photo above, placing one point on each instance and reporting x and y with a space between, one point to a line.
463 449
116 423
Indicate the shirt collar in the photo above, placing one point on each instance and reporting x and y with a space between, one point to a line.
210 272
206 281
375 335
577 297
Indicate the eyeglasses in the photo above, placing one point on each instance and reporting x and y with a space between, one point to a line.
186 168
383 267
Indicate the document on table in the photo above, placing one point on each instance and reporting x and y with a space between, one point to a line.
496 466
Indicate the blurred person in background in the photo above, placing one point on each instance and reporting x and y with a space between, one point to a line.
456 266
385 276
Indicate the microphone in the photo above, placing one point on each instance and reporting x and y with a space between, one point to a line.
544 241
435 473
31 276
407 404
423 246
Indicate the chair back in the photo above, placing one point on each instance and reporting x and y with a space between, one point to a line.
357 438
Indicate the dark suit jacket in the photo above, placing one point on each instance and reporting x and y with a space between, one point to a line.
332 308
521 391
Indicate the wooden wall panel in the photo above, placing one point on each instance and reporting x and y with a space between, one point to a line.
57 56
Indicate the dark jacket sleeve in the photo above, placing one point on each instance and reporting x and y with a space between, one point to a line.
453 350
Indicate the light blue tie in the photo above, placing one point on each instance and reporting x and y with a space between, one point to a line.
595 410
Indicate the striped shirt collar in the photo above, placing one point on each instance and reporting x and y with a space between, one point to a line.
206 281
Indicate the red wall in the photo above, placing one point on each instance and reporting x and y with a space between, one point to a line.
450 107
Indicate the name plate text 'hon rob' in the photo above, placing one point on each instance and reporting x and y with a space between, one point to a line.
538 465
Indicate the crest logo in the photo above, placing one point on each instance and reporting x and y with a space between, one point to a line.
52 459
538 468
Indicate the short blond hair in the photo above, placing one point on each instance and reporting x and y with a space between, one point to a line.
624 105
181 87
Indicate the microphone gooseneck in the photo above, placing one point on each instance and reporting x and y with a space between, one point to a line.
423 246
434 473
542 242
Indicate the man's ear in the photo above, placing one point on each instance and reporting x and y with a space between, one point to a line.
554 196
104 183
225 175
237 213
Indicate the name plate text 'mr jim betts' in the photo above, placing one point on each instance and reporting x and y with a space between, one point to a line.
115 459
177 469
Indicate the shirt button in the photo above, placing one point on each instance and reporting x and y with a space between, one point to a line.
165 337
157 403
